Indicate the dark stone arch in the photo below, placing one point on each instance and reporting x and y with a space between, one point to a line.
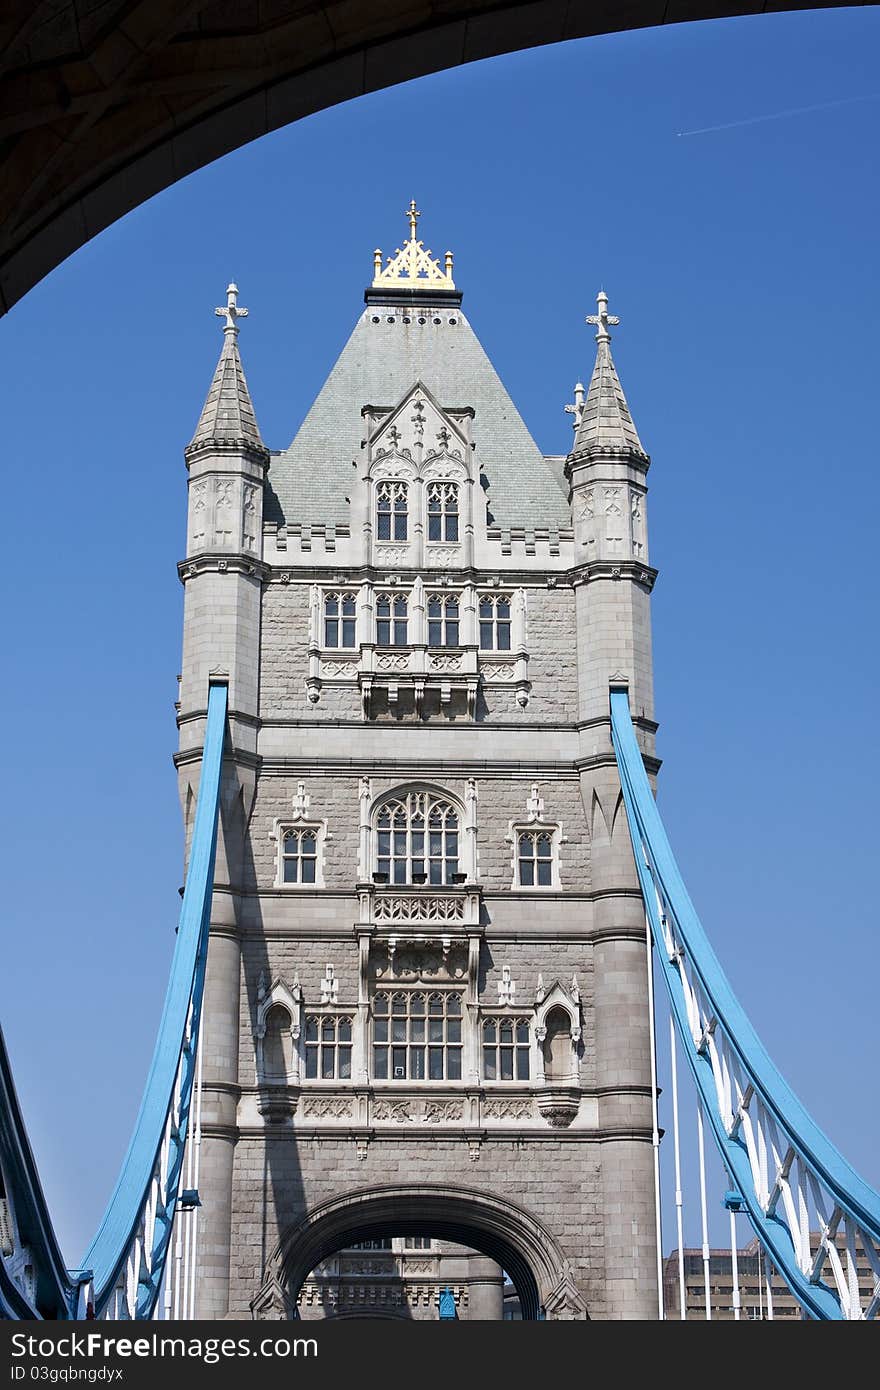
505 1232
102 108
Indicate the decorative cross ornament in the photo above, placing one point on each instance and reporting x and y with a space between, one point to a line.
413 215
329 986
577 409
535 804
603 318
231 311
443 437
506 987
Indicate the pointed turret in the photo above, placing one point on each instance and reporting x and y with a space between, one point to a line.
604 421
228 415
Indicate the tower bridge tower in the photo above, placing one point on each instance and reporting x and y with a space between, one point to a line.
426 1009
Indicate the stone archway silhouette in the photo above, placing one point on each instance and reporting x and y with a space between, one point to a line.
101 108
507 1233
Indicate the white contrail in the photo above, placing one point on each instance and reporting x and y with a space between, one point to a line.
780 115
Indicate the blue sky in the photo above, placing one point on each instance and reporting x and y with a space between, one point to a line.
743 265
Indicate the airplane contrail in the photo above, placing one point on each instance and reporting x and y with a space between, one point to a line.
780 115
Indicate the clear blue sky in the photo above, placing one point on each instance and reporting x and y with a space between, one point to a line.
743 264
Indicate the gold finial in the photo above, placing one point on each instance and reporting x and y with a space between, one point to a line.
412 264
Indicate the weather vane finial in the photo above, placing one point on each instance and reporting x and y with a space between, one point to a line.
231 311
603 318
412 264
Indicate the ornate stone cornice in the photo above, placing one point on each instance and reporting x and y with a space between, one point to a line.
633 570
598 453
217 561
235 445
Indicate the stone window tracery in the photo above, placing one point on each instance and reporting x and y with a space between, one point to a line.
505 1049
417 839
495 622
340 620
391 511
417 1036
328 1044
534 858
299 855
442 512
392 620
443 620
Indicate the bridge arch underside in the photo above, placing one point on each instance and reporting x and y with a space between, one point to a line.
506 1233
100 110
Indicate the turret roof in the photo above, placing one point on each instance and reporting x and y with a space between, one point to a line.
228 415
605 421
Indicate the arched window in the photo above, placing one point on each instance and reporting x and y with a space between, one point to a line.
417 839
340 620
391 620
506 1049
277 1045
495 622
557 1046
299 856
391 511
535 859
443 620
328 1048
442 512
417 1037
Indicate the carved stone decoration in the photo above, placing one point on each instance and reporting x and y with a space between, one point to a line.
199 511
535 805
493 671
506 988
559 1105
276 1103
223 513
565 1304
327 1108
509 1109
441 1111
424 908
329 986
346 670
249 518
398 1111
272 1304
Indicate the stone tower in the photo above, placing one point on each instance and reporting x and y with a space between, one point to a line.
426 1009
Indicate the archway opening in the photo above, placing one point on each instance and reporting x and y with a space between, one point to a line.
496 1238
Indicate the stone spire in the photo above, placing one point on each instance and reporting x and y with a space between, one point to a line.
604 422
228 414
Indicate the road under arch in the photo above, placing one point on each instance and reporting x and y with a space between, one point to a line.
104 104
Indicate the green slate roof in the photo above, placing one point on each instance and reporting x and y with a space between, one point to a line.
310 480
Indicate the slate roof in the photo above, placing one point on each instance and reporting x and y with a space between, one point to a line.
309 481
606 421
228 413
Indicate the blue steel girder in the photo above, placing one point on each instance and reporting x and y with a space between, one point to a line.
792 1180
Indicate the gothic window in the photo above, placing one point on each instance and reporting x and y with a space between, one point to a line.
417 1242
340 620
299 856
277 1045
557 1046
383 1243
495 622
443 620
534 858
391 620
506 1049
417 840
417 1037
391 512
442 512
328 1048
